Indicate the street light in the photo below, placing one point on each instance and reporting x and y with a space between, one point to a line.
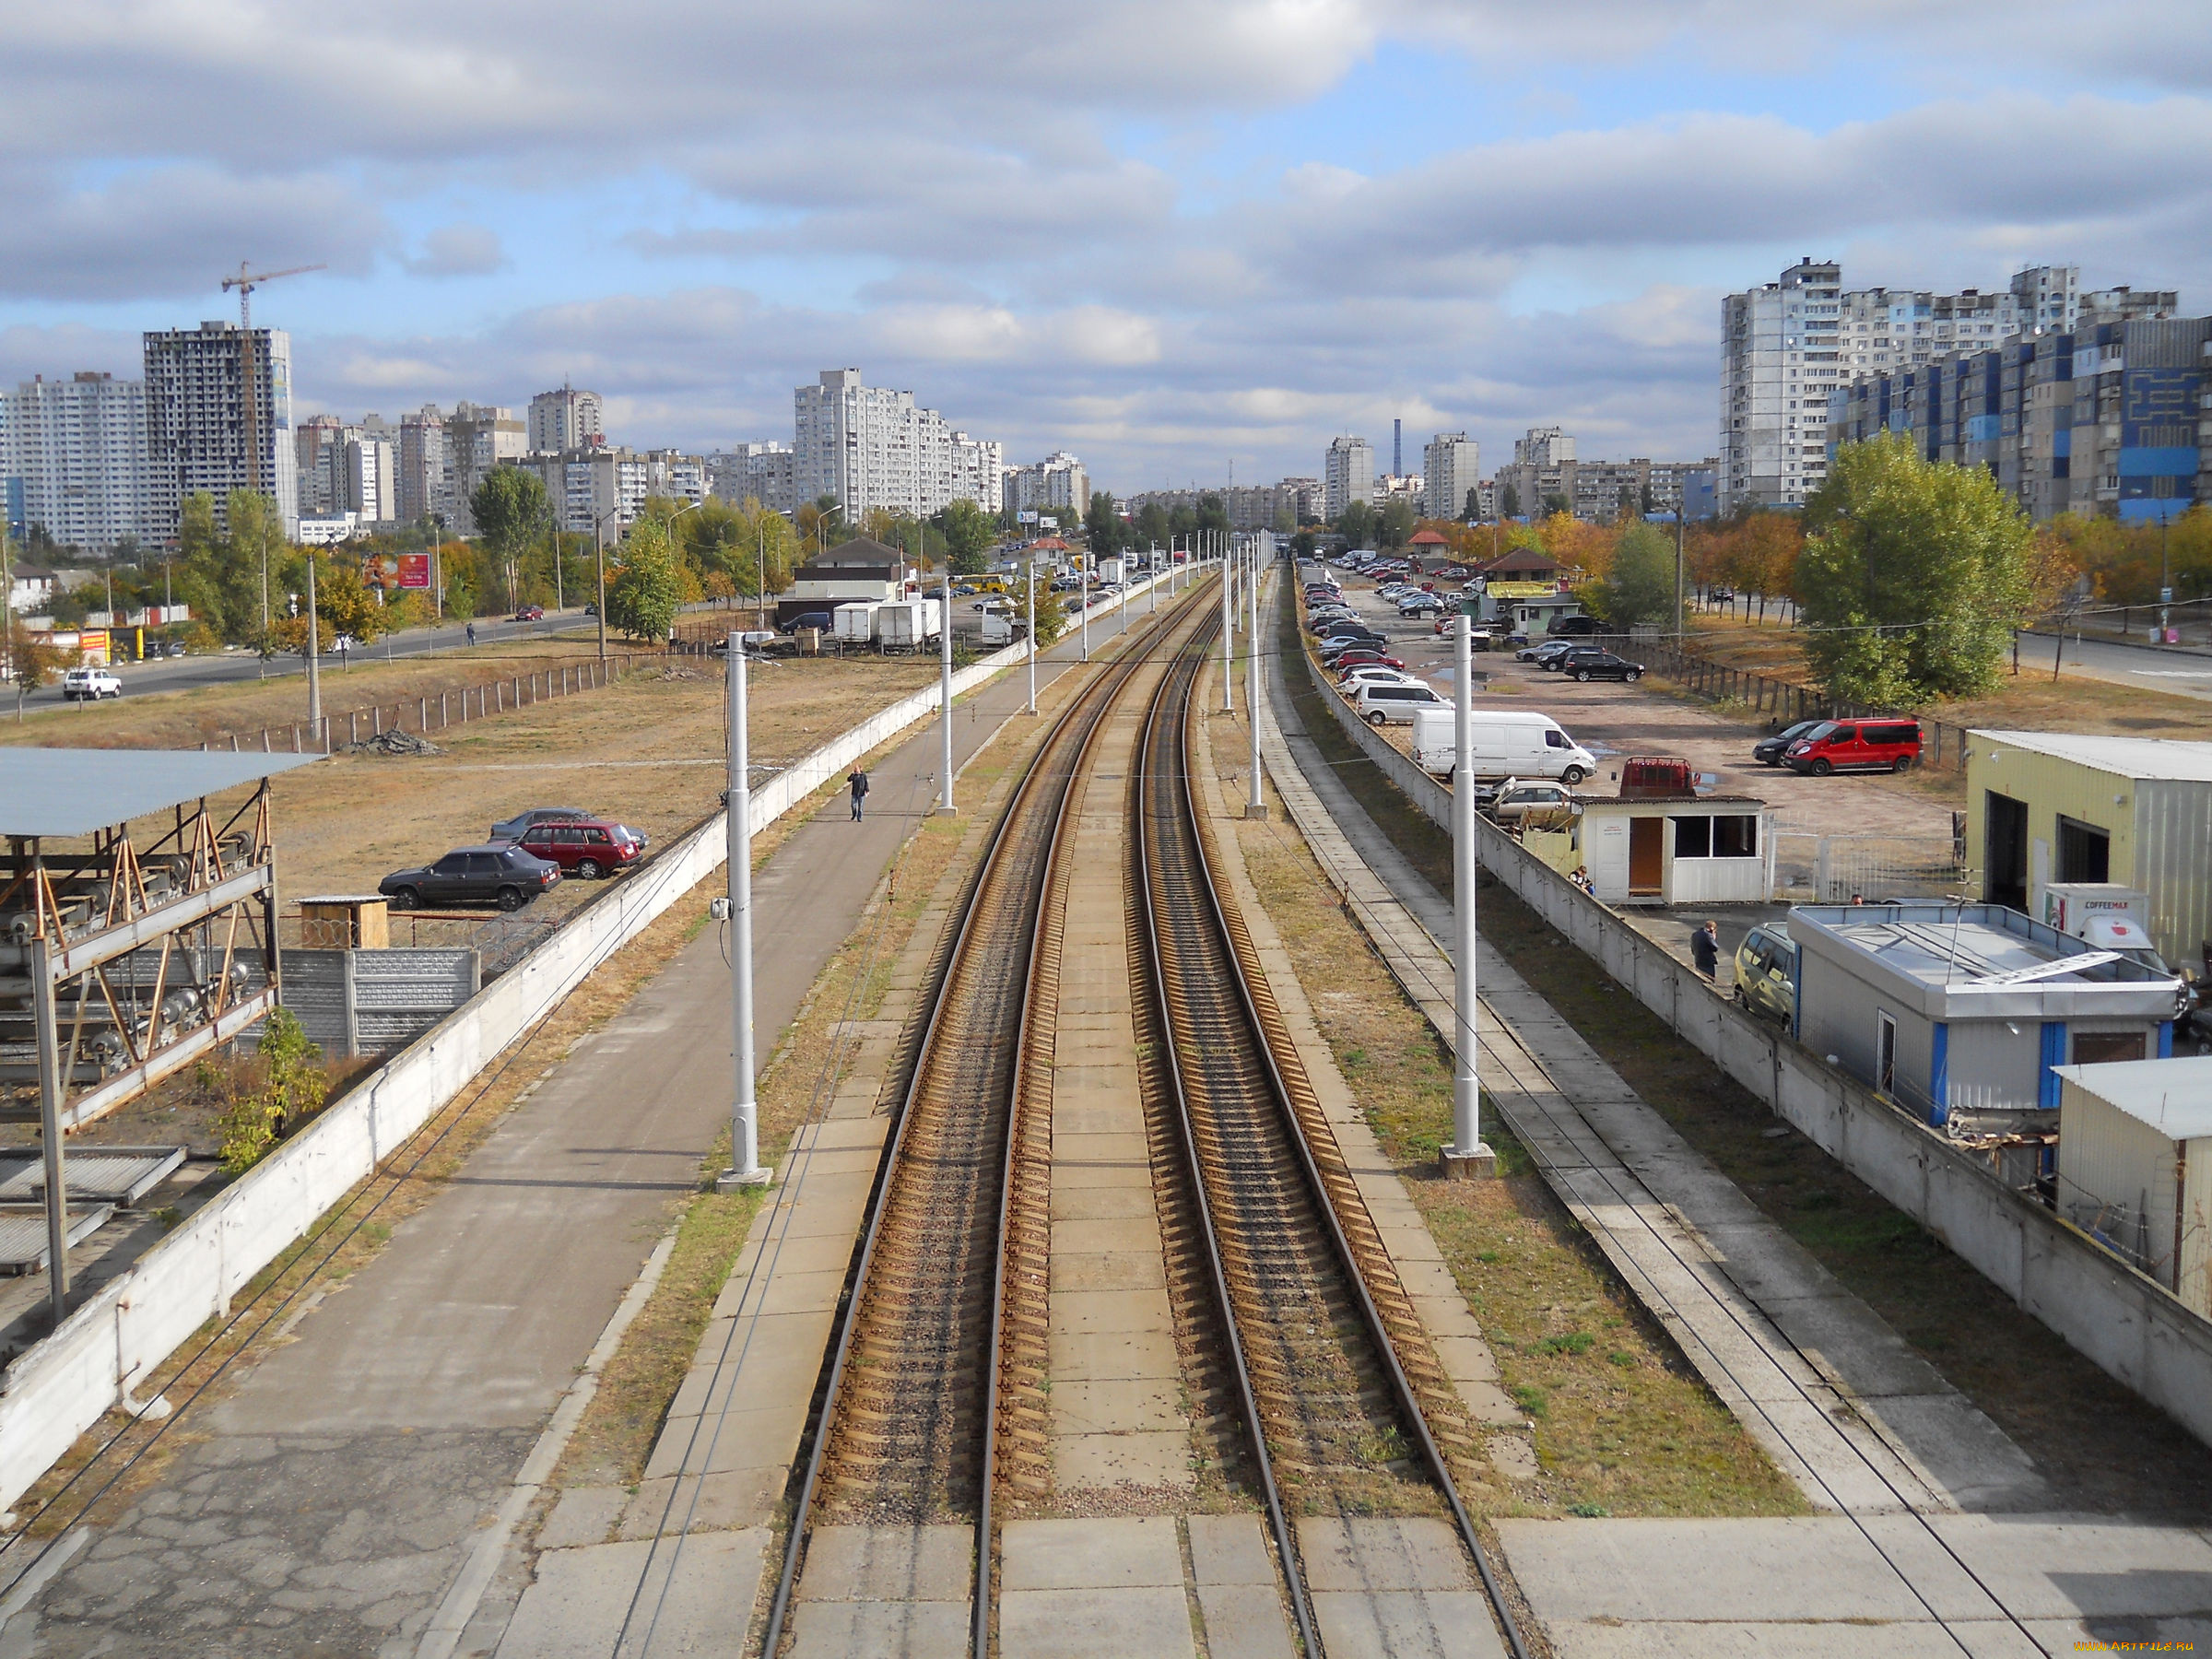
599 560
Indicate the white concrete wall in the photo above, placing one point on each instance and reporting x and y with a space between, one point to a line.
2122 1318
133 1322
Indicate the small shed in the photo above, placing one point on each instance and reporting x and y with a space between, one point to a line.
855 570
2057 807
1968 1007
2134 1165
1689 850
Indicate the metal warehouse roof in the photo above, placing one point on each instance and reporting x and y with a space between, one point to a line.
1954 945
2164 760
2174 1097
74 791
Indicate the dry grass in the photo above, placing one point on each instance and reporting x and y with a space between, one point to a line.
1622 1424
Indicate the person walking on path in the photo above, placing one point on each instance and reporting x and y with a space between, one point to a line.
1705 949
858 780
472 633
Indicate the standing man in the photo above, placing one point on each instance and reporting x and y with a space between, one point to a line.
857 781
472 633
1705 949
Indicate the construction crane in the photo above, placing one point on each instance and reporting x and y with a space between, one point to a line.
245 282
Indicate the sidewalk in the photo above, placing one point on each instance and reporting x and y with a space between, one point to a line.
341 1488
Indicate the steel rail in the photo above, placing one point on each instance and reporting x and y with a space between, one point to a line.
1090 708
1266 1033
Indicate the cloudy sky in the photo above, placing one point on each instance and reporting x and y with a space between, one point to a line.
1169 235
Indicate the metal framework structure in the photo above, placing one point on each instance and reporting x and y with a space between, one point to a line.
124 955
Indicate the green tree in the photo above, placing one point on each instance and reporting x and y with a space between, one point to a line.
969 533
1509 503
644 595
291 1084
1913 577
1212 515
1052 615
1638 591
1155 528
1556 503
1102 525
510 509
1357 523
1397 522
1474 507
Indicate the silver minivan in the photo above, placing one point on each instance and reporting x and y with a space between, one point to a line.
1393 704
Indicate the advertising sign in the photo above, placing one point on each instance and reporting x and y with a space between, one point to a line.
397 569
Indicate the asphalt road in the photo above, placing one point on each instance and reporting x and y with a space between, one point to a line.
2181 671
179 674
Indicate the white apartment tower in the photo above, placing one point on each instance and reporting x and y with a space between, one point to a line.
759 472
1057 484
1348 474
218 418
569 418
1449 463
870 447
73 458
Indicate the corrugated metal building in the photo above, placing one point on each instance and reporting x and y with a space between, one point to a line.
1966 1008
2135 1166
2045 807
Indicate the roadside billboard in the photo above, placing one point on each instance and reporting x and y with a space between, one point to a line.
397 569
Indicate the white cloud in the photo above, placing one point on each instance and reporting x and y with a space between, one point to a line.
459 251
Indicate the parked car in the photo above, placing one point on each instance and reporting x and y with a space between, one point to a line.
588 849
1421 604
521 823
1856 746
1542 651
502 874
89 685
1505 743
1389 704
530 613
821 620
1367 674
1332 656
1766 971
1362 657
1568 627
1769 751
1723 596
1517 799
1600 664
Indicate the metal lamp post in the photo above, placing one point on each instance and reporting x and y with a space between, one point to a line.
314 678
745 1138
1228 695
1032 708
1256 806
944 687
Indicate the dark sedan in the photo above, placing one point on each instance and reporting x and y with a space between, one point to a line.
1769 751
502 874
1601 665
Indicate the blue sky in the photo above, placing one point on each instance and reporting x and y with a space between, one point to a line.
1160 233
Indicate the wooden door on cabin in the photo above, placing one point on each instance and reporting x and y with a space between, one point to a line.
1646 861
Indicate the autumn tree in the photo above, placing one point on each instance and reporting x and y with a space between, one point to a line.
644 595
1913 576
1638 590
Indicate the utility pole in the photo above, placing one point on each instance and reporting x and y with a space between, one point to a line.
599 559
314 681
1255 807
1467 1156
1228 692
944 687
1032 708
1674 627
1083 593
263 670
2165 577
745 1139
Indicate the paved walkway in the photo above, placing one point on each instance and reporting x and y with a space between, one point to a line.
1869 1431
341 1490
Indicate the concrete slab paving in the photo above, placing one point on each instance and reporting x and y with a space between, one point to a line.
1385 1624
700 1602
1107 1552
1244 1621
1094 1624
881 1630
583 1515
889 1563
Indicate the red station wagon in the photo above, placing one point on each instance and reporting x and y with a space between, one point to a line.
586 847
1856 746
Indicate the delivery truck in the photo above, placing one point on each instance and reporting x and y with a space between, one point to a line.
854 624
1507 743
906 626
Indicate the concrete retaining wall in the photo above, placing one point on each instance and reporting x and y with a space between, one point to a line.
133 1322
2122 1318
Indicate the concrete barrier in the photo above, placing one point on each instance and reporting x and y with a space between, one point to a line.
2127 1323
116 1338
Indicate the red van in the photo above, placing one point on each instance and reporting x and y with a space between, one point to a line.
586 847
1834 745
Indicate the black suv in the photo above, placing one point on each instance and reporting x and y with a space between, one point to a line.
503 875
1583 665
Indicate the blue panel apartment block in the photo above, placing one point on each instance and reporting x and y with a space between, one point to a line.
2172 461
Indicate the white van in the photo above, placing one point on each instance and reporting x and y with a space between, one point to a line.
1508 742
1388 704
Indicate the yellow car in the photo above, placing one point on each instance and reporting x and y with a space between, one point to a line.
1766 972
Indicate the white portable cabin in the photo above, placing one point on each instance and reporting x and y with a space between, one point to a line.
2134 1165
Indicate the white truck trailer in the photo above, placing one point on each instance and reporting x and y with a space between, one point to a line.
906 626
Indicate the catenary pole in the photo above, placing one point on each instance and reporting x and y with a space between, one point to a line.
1229 694
1466 1154
1256 808
745 1138
1033 633
945 685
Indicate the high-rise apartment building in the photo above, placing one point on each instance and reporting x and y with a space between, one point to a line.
420 482
569 418
218 418
478 437
759 472
1348 474
1542 471
1057 484
870 447
604 488
1449 463
73 458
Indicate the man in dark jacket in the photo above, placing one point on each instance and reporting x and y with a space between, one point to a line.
1705 949
858 780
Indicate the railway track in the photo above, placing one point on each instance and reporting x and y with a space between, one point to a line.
1345 1410
934 1398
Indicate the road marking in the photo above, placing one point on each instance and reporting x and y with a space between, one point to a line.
461 1602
